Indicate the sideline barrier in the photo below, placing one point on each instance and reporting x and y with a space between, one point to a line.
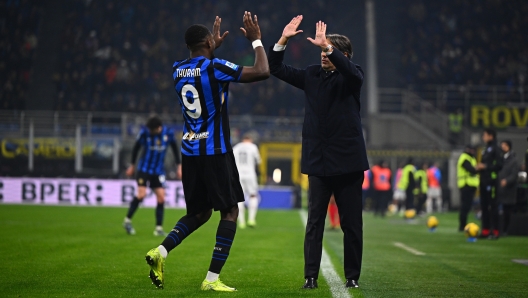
107 192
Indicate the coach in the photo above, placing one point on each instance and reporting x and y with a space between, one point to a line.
333 149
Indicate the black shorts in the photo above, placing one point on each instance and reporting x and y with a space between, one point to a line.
210 182
154 181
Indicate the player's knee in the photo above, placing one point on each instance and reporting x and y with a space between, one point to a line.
230 214
204 216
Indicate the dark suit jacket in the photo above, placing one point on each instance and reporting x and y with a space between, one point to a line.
332 136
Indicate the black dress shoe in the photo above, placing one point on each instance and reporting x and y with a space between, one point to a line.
350 283
310 283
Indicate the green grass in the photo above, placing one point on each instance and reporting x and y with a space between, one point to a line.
54 251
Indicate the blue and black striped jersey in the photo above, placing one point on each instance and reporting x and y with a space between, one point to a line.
202 87
154 149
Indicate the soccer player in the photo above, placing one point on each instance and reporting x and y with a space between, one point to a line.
247 157
155 139
434 178
210 177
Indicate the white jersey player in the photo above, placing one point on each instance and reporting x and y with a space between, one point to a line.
247 157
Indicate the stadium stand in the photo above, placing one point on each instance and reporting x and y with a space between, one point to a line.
19 26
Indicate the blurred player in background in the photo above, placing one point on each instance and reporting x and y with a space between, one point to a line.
398 196
210 177
434 192
247 157
155 140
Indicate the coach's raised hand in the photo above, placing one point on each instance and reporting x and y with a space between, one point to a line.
290 30
320 35
251 28
216 33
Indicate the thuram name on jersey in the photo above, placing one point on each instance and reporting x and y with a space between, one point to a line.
188 73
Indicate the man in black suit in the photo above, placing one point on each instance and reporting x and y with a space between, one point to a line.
333 149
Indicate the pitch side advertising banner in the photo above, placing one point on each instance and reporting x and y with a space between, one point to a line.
71 191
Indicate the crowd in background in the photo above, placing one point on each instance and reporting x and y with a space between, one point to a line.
118 55
19 26
465 42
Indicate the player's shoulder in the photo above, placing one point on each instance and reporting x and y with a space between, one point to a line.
217 62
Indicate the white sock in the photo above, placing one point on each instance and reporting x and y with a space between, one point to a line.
252 207
241 213
163 251
212 277
127 220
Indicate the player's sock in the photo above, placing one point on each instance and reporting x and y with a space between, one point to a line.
241 214
133 207
159 214
211 277
183 228
252 209
224 238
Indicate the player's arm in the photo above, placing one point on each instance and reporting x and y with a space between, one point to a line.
177 158
278 69
260 70
130 170
468 167
341 62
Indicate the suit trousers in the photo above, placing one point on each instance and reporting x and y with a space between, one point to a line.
347 192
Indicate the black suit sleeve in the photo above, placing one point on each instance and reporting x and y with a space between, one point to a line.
135 151
286 73
468 167
176 152
346 67
498 159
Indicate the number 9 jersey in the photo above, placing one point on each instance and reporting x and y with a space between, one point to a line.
202 87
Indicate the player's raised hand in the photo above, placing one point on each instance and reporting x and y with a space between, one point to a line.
216 32
251 28
291 29
320 35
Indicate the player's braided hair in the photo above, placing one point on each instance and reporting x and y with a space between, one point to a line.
342 43
154 122
196 34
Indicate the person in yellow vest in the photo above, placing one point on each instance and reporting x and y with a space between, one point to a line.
407 183
381 177
468 181
456 121
422 185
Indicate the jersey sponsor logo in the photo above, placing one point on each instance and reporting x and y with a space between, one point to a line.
231 65
192 136
188 73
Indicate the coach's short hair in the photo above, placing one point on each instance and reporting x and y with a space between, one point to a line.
341 43
196 34
154 122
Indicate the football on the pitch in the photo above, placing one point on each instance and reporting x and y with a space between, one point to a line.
471 230
411 213
432 222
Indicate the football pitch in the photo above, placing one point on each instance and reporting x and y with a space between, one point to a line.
55 251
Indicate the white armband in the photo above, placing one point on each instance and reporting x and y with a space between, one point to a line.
257 43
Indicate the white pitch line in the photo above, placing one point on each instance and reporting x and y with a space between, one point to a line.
409 249
337 286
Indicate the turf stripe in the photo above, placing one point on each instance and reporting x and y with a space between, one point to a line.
409 249
330 275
